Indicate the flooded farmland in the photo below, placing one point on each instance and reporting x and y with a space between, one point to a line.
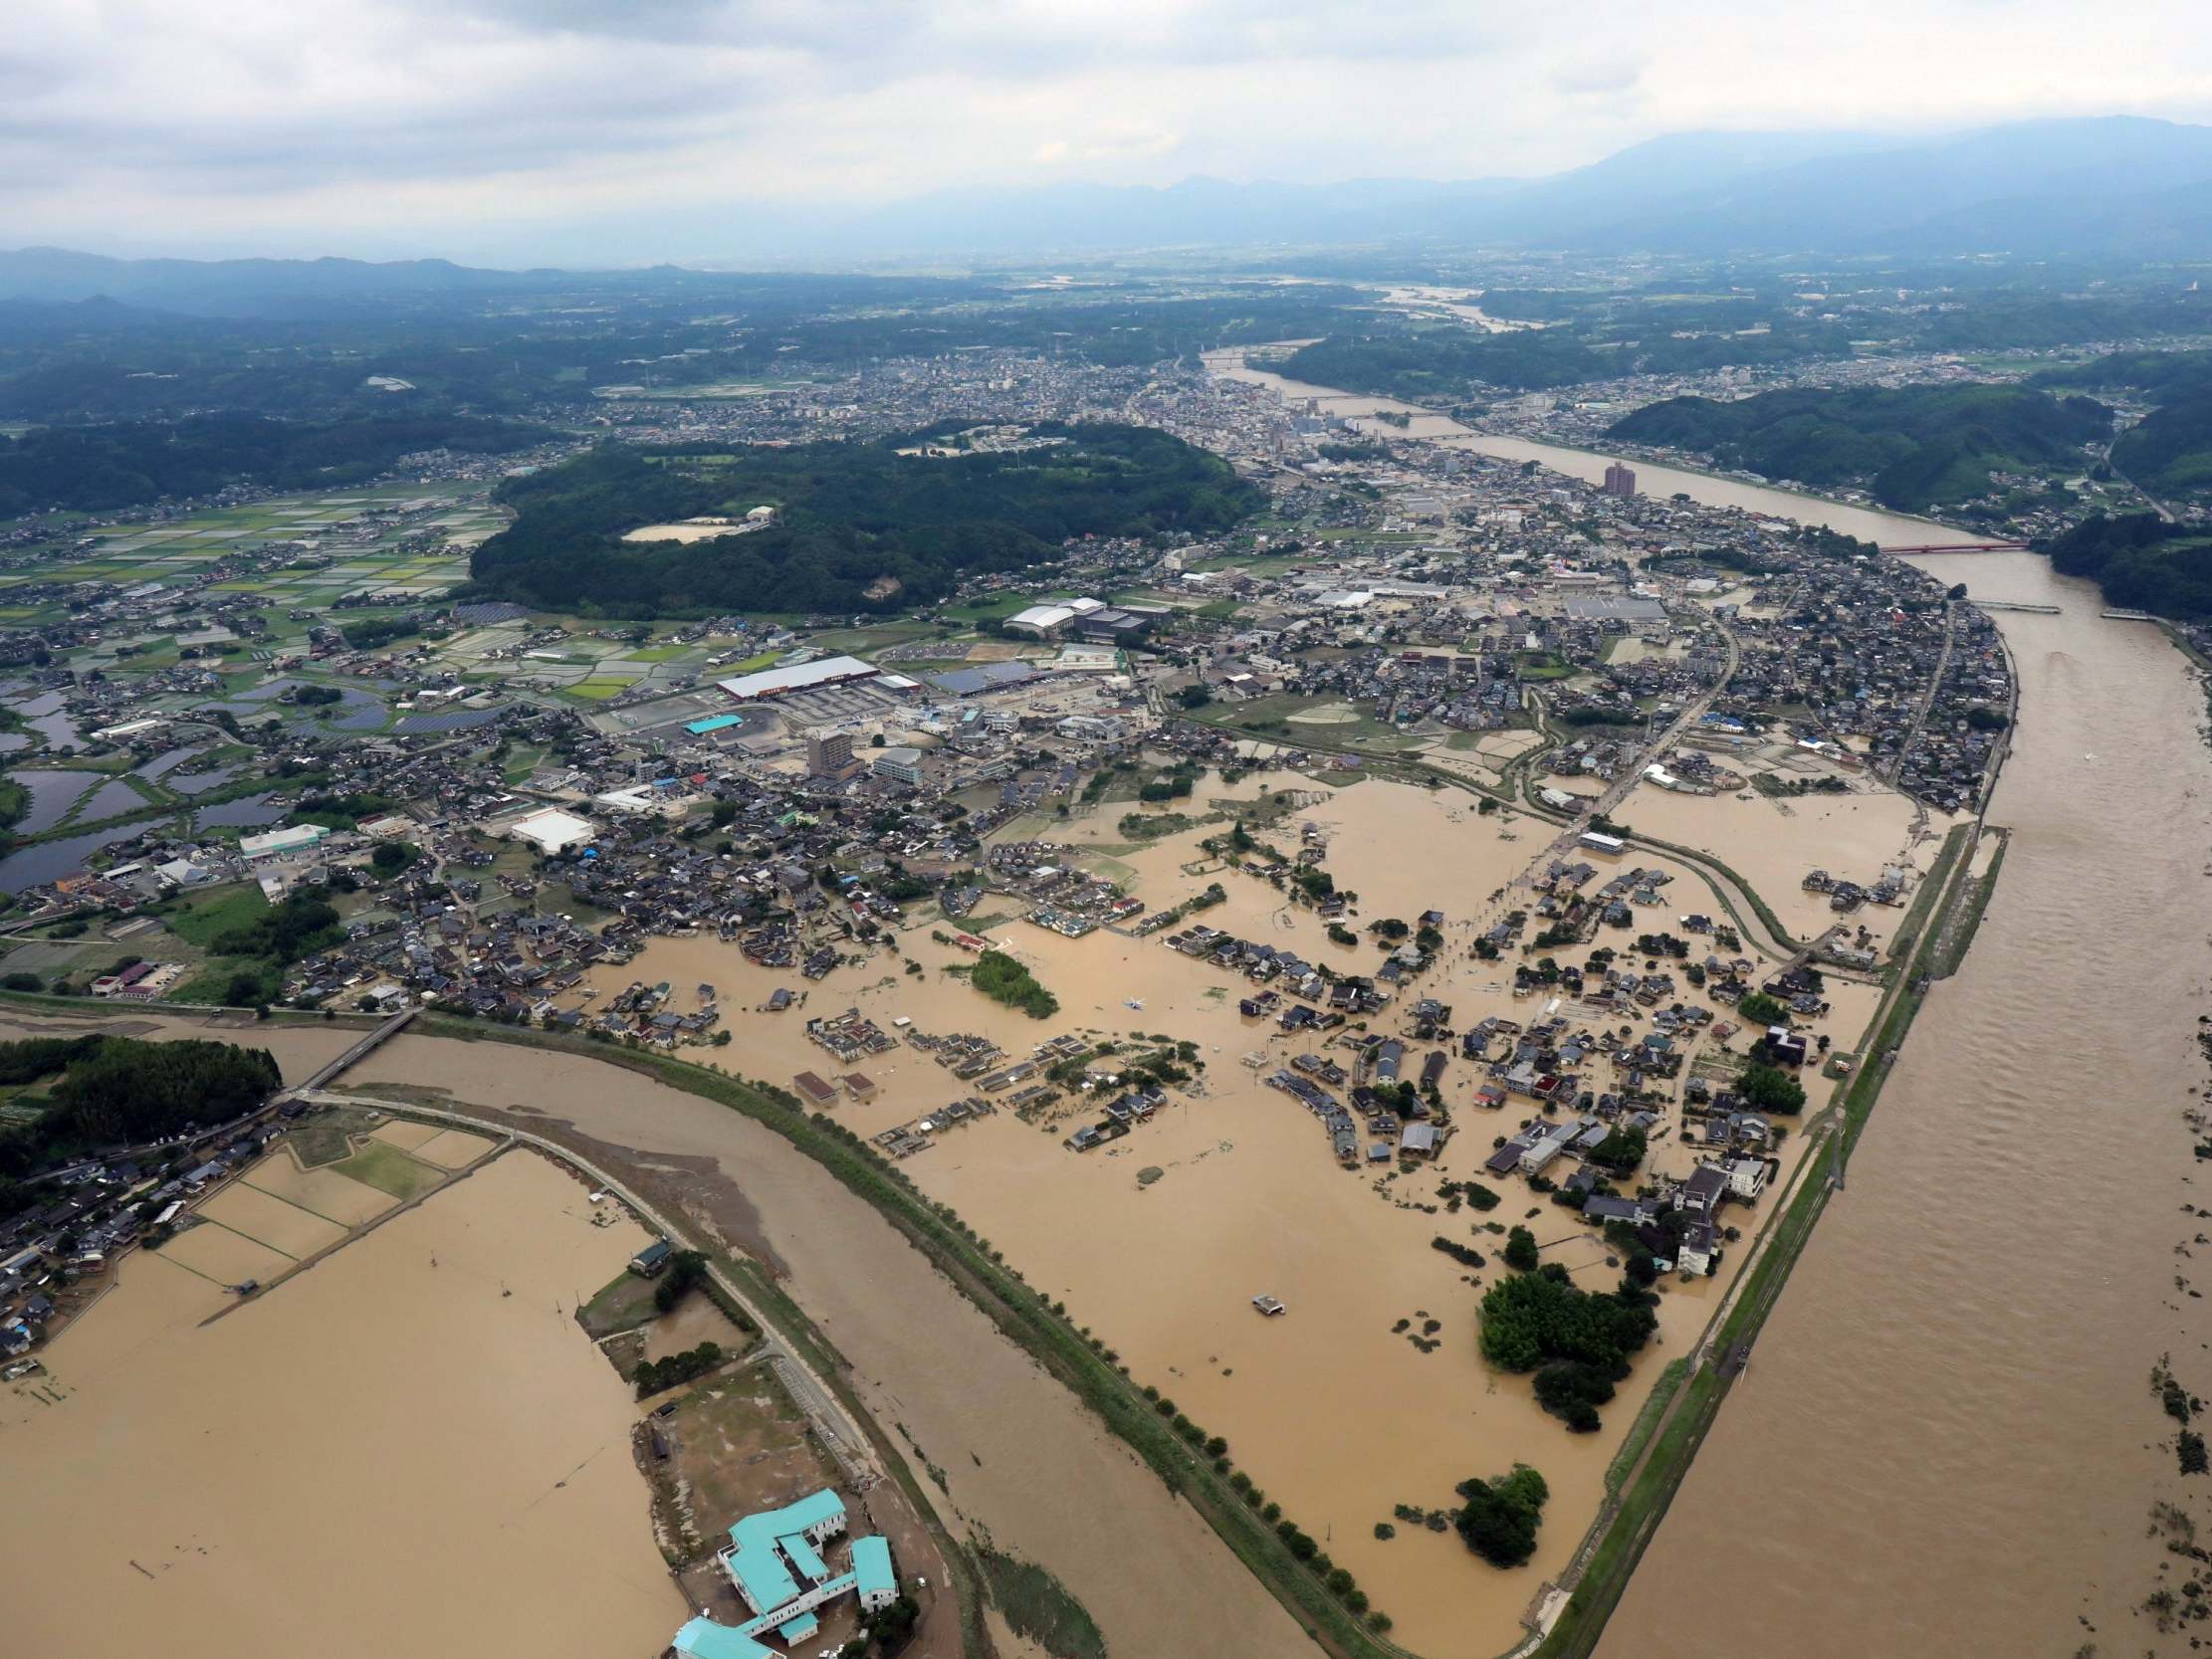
408 1448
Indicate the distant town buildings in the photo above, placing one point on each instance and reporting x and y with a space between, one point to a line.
1620 481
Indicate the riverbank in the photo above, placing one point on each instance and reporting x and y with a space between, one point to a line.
1617 1545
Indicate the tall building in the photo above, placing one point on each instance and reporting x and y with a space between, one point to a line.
829 753
1619 479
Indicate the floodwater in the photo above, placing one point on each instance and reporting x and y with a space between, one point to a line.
1887 530
1020 1456
245 812
410 1448
1319 1405
51 793
42 713
48 861
1944 1443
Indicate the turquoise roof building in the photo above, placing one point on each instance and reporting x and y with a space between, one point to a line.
797 1629
775 1560
872 1573
764 1549
702 1638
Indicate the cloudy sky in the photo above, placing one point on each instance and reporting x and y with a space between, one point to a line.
542 128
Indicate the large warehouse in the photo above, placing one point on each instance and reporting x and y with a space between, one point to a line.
776 682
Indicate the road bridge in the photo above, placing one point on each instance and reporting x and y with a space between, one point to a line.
354 1055
1963 547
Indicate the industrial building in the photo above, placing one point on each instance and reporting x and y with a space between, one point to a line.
1051 619
552 830
293 838
776 682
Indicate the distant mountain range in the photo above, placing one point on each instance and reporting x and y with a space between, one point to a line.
2117 187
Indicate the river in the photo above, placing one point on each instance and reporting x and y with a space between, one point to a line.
1886 530
1946 1442
1017 1454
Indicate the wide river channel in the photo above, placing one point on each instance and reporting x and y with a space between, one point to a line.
1945 1443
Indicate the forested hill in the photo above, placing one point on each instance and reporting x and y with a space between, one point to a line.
96 469
2140 561
848 516
1914 446
2168 452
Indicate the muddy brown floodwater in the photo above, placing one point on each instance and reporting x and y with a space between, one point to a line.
1018 1454
410 1448
1158 1243
1021 1457
1944 1443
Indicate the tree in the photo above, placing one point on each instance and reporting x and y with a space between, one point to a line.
1533 1318
1771 1088
1520 1250
1758 1008
1501 1515
1619 1152
1195 695
393 855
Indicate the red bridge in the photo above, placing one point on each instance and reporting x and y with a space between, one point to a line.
1964 547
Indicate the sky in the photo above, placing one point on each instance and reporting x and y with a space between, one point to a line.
628 130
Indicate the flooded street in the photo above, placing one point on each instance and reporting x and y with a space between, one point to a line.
410 1448
1159 1242
1945 1444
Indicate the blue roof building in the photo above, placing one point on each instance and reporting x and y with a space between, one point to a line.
872 1573
702 1638
764 1549
797 1629
775 1560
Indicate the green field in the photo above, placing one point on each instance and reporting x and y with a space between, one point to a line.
208 915
391 1170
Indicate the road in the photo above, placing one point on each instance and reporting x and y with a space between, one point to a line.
1620 789
1928 698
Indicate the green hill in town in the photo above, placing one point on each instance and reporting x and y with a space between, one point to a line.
1914 446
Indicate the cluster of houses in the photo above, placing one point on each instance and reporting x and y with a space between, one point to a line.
103 1206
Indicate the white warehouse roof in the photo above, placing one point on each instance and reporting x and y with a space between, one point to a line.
771 682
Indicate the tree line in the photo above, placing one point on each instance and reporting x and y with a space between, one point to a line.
118 1091
99 469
